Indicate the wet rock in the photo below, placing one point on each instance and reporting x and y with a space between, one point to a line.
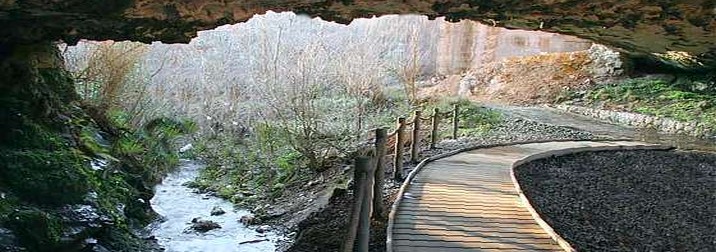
263 229
92 245
8 241
99 248
203 226
248 219
217 211
275 213
186 148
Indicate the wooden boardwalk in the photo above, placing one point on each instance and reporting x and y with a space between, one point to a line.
468 201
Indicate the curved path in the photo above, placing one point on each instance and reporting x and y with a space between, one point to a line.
552 116
468 201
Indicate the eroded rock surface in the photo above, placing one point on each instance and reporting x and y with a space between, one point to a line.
681 33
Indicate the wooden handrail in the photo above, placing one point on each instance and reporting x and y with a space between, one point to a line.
455 112
398 158
380 140
369 172
436 125
415 141
359 172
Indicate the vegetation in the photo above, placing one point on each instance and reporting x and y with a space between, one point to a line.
279 101
64 151
262 165
473 119
681 100
268 118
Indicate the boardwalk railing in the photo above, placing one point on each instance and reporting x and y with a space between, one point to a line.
369 170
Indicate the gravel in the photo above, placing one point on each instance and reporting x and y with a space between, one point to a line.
511 129
627 200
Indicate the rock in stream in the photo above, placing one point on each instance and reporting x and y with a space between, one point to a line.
183 210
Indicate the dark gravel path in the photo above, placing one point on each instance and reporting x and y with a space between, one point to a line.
627 200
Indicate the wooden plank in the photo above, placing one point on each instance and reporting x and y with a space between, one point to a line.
443 249
476 246
408 218
455 236
470 185
459 197
455 209
467 177
467 221
465 217
484 190
442 211
464 181
469 231
451 205
468 165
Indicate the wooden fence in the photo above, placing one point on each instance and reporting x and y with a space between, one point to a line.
369 170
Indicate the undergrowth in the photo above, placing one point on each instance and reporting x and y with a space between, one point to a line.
654 97
261 165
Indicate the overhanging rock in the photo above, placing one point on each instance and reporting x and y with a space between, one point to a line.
681 33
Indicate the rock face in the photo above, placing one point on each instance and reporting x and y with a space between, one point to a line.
470 45
681 33
534 79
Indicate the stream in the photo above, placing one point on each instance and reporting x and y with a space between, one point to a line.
178 205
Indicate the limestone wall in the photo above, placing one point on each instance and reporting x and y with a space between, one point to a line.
469 44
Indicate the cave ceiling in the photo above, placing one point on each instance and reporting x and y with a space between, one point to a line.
681 32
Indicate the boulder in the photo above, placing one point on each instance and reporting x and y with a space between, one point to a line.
200 225
217 211
248 219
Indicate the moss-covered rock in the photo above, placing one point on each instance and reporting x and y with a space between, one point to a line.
51 197
45 177
37 230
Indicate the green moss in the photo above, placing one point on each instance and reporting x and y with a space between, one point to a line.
37 230
30 135
45 177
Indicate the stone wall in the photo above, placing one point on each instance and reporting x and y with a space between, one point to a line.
637 120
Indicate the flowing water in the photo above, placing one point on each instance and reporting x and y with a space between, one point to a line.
178 205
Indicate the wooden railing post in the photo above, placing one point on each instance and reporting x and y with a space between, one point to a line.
363 242
359 179
380 141
434 130
398 158
455 112
415 143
